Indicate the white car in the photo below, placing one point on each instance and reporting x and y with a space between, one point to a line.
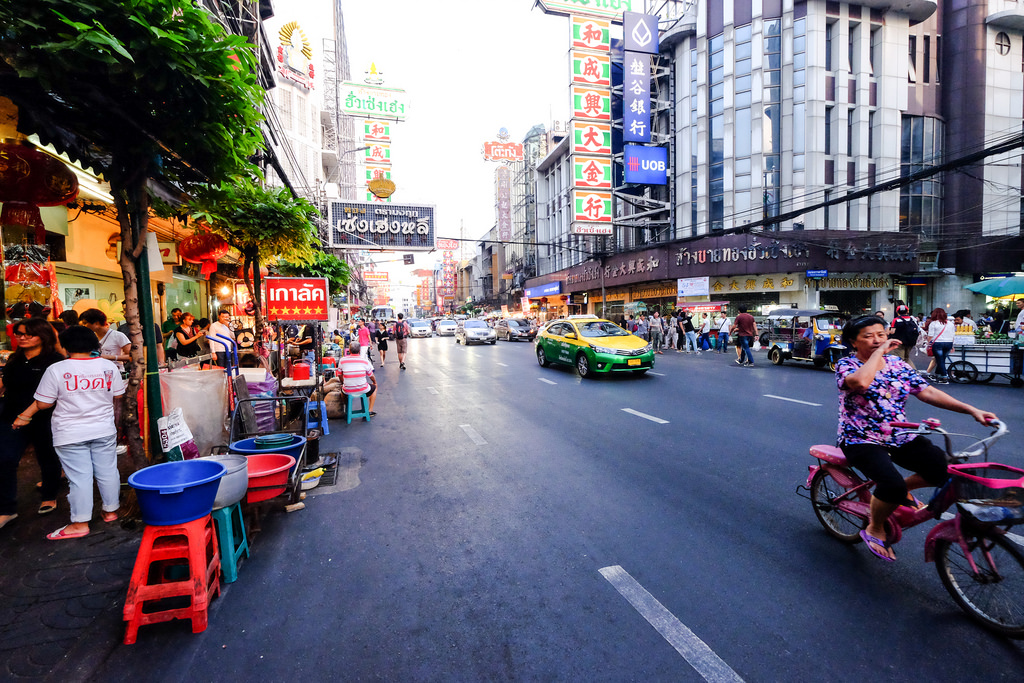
419 328
446 328
475 331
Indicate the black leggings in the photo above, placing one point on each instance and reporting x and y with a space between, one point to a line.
877 463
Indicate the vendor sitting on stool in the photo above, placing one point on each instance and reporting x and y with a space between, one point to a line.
357 375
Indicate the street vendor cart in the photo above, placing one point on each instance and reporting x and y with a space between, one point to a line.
982 362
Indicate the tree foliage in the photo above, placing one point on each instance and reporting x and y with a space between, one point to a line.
323 265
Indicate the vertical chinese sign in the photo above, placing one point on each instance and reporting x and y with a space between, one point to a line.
640 32
446 287
505 153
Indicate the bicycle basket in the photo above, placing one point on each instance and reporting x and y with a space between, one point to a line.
990 492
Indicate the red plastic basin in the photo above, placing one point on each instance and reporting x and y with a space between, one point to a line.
268 476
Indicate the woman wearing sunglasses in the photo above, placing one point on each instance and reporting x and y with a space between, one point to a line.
18 382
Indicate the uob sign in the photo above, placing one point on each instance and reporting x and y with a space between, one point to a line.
645 165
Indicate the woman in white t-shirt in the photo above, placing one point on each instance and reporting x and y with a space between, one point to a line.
941 333
84 388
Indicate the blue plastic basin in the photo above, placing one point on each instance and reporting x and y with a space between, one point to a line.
249 447
177 492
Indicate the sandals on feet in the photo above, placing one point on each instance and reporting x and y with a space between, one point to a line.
62 534
109 517
877 546
47 508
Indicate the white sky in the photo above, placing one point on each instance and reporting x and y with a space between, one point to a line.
470 67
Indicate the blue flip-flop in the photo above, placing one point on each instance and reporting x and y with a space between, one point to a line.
871 542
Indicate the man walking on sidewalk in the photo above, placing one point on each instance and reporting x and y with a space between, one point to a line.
746 329
657 331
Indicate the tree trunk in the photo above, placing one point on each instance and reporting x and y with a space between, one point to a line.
132 204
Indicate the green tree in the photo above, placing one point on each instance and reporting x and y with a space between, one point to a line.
142 90
263 223
323 265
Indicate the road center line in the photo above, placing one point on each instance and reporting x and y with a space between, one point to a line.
433 391
504 365
546 381
473 435
695 651
792 400
652 372
645 416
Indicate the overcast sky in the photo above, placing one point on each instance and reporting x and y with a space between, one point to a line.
470 67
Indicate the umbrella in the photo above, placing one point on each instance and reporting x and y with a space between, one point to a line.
1005 286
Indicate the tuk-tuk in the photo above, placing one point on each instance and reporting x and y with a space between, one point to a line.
812 336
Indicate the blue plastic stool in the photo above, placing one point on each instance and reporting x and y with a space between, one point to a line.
228 535
363 412
320 424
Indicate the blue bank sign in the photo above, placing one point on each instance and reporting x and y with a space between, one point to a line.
544 290
645 165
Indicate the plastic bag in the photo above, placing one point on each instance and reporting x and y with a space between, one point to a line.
202 396
757 344
175 437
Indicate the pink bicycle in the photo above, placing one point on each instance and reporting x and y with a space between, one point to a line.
979 562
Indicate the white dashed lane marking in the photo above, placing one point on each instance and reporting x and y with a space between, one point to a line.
546 381
433 391
695 651
645 416
792 400
659 374
473 435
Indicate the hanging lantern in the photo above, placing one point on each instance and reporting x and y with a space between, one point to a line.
30 179
204 248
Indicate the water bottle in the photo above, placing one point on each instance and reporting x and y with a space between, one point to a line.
993 513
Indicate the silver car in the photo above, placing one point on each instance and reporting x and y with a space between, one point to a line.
419 328
446 328
475 331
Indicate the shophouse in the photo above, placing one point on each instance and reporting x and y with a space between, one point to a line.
783 119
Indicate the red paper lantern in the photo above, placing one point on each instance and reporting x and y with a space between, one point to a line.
30 179
204 248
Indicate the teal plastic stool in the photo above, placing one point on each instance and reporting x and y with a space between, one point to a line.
231 539
319 423
363 412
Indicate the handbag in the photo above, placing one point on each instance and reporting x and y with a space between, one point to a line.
929 349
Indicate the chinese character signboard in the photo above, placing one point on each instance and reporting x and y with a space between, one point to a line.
592 172
379 153
603 9
366 101
591 103
591 34
297 298
377 131
645 165
591 69
368 225
636 98
503 204
593 207
591 138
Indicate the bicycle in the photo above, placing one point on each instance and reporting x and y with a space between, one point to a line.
979 562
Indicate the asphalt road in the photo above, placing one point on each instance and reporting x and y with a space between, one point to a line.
502 521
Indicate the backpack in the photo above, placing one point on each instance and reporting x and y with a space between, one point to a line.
400 328
905 329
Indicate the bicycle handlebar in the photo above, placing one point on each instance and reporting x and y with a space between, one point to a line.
980 447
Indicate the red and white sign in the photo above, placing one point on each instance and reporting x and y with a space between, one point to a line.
591 229
447 245
503 151
375 276
297 298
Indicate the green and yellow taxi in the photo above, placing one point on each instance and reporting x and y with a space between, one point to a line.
593 345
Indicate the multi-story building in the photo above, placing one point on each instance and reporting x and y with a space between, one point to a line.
785 119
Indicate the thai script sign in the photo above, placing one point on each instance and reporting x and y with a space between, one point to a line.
591 34
640 32
375 276
591 138
377 131
645 165
591 229
591 69
503 151
592 207
692 286
544 290
592 172
297 298
636 98
591 103
367 225
605 9
368 101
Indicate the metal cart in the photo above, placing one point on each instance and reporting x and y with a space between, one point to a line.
982 362
274 415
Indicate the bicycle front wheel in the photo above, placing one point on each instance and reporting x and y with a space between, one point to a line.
840 524
994 595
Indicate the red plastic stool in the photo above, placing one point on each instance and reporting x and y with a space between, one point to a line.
176 564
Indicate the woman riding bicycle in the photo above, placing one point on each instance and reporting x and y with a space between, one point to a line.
873 391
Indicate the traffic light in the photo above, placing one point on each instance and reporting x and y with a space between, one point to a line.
407 259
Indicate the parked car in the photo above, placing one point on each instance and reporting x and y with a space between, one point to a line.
419 328
593 345
475 331
446 328
514 329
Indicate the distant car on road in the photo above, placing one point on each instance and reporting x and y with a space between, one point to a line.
475 331
446 328
593 345
514 329
419 328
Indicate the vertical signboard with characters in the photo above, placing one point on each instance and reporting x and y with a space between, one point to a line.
636 98
503 203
